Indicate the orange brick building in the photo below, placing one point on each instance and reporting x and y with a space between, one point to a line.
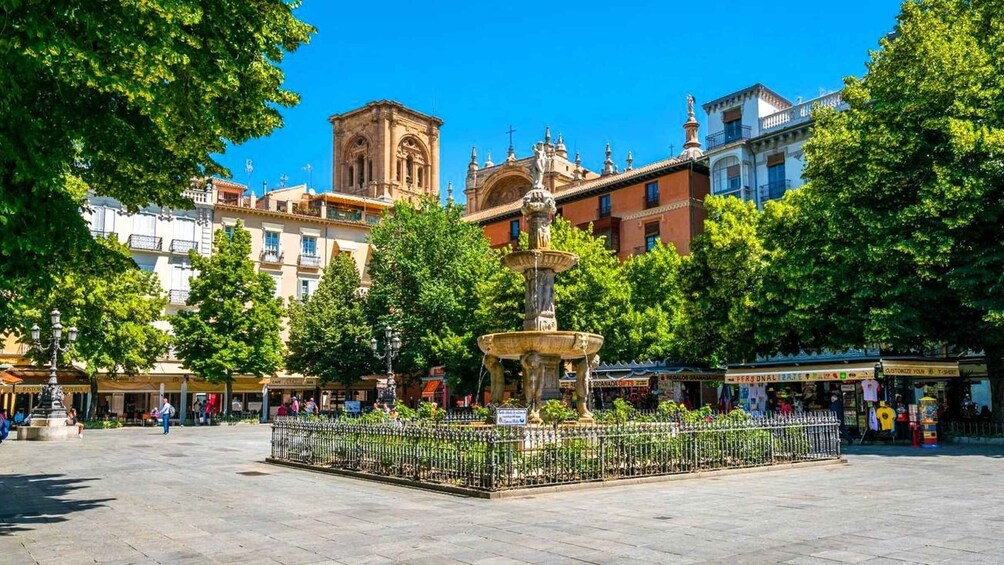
632 209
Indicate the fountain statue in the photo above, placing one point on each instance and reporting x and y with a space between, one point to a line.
541 347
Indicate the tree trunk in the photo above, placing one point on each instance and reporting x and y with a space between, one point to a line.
92 408
995 374
229 397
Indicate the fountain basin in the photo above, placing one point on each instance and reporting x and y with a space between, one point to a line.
557 261
564 344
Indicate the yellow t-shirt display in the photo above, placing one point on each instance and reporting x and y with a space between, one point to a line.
885 416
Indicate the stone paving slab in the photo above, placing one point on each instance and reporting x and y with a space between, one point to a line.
133 496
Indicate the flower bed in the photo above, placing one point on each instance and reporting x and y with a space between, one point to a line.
497 458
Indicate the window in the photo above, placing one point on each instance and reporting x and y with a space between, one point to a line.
359 167
733 177
271 242
103 222
306 288
557 212
776 183
145 263
652 194
184 229
605 205
513 230
308 246
651 235
351 177
229 230
278 285
145 225
733 120
726 176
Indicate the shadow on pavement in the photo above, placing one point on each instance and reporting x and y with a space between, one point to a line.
945 449
38 499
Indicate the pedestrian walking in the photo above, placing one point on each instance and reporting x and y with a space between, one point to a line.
295 407
197 409
311 407
166 412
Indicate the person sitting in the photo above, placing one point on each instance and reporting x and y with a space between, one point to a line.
71 420
19 418
282 411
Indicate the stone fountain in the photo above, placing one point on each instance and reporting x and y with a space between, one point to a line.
541 347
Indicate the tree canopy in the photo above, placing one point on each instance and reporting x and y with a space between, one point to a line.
234 328
129 100
114 313
328 331
426 268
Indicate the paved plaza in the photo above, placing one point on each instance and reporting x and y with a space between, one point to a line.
203 495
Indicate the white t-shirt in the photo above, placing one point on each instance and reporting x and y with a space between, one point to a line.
870 387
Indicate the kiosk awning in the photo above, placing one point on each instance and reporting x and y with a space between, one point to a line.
920 369
799 373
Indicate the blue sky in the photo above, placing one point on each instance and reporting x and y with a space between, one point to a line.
597 72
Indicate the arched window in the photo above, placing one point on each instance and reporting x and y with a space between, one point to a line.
398 175
409 168
420 176
351 175
359 167
726 176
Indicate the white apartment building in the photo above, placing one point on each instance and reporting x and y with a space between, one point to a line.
754 145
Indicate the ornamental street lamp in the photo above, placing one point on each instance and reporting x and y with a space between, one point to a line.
391 350
50 401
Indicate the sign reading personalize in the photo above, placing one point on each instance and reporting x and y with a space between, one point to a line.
510 416
800 376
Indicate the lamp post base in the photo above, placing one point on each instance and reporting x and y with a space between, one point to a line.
46 429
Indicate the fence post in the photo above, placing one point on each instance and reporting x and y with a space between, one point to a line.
492 462
603 456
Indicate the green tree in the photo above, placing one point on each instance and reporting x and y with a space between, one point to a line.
908 185
328 331
594 295
114 314
656 302
234 328
426 268
721 280
129 100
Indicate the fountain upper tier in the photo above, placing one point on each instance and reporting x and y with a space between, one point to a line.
557 261
563 344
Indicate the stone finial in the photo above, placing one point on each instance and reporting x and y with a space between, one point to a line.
692 146
560 149
630 161
547 135
488 160
473 165
511 155
577 171
608 163
449 193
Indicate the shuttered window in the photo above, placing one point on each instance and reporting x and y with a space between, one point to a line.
775 159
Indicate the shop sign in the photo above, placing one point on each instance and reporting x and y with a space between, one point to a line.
276 382
510 416
794 377
847 388
941 370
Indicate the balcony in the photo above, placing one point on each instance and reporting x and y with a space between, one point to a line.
178 296
799 113
774 190
372 219
272 256
306 210
727 136
345 215
183 246
145 242
742 192
309 261
198 196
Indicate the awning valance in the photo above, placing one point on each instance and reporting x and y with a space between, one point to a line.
920 369
798 373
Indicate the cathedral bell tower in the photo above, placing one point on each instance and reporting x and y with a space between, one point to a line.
385 150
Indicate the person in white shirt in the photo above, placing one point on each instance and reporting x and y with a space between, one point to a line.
166 411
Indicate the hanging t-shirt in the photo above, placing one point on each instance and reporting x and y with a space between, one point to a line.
873 423
885 416
870 387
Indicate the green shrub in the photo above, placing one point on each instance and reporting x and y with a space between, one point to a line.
102 424
555 412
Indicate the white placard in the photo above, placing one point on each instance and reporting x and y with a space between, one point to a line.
510 416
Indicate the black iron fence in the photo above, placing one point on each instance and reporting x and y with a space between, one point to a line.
974 428
502 458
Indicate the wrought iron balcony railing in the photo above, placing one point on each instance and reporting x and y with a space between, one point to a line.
311 261
148 242
178 296
345 215
774 190
742 192
727 136
270 255
183 246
